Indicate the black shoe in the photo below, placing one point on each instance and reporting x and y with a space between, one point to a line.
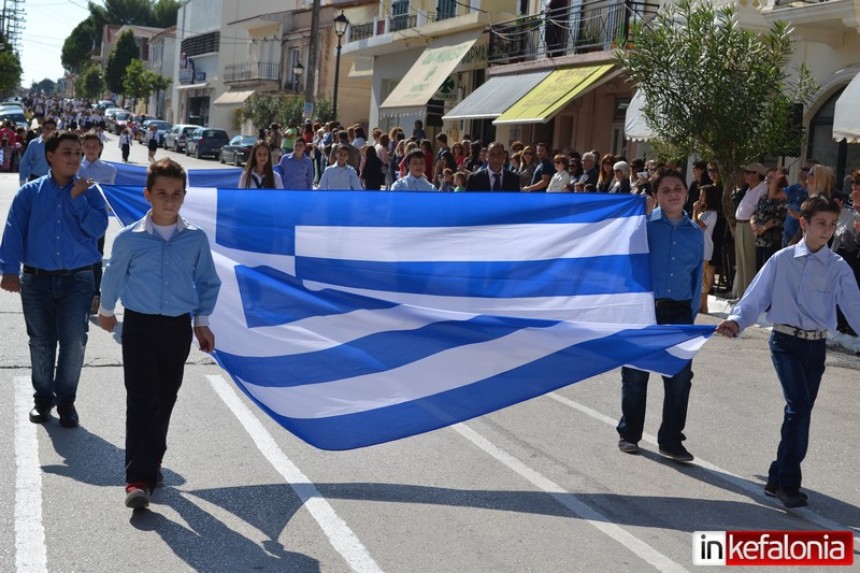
791 497
68 415
40 414
770 491
676 451
628 447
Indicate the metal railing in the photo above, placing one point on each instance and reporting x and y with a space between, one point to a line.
361 31
589 27
395 23
250 71
402 22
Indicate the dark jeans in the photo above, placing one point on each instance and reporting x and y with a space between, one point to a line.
126 149
799 366
154 350
56 310
676 392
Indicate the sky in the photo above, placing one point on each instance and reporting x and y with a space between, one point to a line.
48 24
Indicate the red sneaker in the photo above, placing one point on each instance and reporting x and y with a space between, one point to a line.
137 495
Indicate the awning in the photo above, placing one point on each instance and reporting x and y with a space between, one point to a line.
233 97
192 86
551 95
635 125
496 95
428 73
846 114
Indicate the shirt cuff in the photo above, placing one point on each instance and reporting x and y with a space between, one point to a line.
201 321
105 312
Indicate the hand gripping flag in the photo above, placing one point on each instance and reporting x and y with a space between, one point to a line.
356 318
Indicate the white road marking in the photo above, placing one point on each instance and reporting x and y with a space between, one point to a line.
30 553
736 480
336 530
579 508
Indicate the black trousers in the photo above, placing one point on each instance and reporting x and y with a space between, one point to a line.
154 350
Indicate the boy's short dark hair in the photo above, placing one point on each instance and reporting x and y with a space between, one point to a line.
818 204
164 167
665 172
56 138
92 136
415 154
442 138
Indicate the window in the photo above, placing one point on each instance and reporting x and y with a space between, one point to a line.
399 15
446 9
203 44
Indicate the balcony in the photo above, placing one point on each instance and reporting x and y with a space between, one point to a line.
594 26
823 21
249 72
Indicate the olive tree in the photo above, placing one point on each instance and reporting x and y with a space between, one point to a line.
715 89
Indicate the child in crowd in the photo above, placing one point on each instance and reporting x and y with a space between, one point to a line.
97 171
259 173
677 257
414 180
340 175
799 287
459 181
447 183
125 143
159 250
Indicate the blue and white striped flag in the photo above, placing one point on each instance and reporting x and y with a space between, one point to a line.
356 318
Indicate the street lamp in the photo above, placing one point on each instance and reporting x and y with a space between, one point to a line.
341 23
298 70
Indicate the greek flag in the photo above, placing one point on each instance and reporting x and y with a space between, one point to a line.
356 318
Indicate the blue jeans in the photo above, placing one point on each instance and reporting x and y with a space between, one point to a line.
799 366
56 310
676 392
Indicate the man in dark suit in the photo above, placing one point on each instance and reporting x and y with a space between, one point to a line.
495 177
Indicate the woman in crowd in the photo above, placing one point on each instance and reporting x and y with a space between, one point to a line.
767 220
706 214
820 180
561 179
258 173
528 164
372 174
473 162
622 178
607 173
700 177
427 147
458 153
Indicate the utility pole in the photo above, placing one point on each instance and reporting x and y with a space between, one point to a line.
313 57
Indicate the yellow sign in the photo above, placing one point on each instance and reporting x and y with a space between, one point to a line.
548 97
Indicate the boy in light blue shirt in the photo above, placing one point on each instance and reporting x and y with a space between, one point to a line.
162 268
340 176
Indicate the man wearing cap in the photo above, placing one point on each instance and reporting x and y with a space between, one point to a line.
754 174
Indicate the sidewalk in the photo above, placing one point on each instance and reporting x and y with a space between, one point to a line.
720 307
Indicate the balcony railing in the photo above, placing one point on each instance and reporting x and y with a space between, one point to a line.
379 26
588 27
252 71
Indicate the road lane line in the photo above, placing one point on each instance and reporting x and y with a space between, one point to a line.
30 553
740 482
336 530
579 508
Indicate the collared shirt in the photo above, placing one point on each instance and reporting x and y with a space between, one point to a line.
410 183
98 171
747 205
154 276
335 177
49 230
297 173
801 289
677 259
256 181
33 162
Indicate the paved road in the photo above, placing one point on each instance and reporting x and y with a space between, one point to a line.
537 487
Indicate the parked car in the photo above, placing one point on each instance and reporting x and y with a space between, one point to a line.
238 149
161 125
15 115
175 137
112 111
119 121
206 141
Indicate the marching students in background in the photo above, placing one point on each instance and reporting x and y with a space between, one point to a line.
125 143
53 229
34 163
677 258
799 287
162 268
259 173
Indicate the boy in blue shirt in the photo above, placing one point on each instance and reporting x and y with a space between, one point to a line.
799 287
162 268
677 247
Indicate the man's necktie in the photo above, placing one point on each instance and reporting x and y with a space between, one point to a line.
496 183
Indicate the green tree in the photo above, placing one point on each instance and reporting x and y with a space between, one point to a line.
123 53
264 109
45 86
78 47
164 13
139 82
10 69
715 89
89 83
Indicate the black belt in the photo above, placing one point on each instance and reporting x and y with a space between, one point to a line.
28 270
669 303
